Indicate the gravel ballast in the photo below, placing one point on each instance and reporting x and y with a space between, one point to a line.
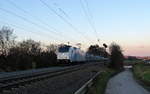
64 84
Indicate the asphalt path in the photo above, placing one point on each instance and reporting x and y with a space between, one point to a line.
124 83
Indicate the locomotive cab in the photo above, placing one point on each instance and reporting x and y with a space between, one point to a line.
69 54
63 53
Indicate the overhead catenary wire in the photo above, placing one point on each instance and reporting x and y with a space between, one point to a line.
88 8
38 19
88 15
23 18
33 16
36 33
66 21
62 11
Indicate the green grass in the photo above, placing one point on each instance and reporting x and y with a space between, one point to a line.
130 62
142 73
100 82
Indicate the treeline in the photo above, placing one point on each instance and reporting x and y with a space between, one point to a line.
98 51
23 55
29 54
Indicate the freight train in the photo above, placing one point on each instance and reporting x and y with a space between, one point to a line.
71 54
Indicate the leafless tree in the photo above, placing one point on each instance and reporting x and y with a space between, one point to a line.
30 46
7 40
51 47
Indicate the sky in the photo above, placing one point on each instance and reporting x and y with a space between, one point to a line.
125 22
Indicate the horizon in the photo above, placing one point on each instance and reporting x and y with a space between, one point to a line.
123 22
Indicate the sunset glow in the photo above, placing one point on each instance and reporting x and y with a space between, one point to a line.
126 22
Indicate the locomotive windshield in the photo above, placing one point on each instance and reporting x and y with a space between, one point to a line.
64 48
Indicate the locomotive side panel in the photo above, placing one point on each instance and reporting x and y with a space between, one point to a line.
69 54
77 55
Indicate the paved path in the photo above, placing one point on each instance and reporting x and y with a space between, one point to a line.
124 83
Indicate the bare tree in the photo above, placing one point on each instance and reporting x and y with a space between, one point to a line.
23 55
30 46
51 47
7 39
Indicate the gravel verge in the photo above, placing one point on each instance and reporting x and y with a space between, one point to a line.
63 84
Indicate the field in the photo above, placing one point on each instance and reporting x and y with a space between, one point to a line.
142 73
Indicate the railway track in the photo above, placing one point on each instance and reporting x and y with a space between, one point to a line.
8 83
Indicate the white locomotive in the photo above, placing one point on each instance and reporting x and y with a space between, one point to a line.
70 54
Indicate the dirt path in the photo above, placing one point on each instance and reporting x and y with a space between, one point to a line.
124 83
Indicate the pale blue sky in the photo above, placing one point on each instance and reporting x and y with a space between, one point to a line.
125 22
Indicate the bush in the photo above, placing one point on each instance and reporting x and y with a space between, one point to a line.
46 59
116 57
20 59
24 55
3 64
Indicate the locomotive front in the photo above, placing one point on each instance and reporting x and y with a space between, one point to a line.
63 53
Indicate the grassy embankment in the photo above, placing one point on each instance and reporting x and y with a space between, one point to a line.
142 73
100 82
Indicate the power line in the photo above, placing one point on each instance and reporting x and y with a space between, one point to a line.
66 21
62 11
88 8
22 28
88 14
23 18
35 17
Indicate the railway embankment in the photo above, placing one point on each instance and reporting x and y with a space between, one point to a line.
65 83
